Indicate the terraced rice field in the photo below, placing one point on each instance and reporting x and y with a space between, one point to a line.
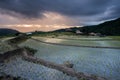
101 62
103 42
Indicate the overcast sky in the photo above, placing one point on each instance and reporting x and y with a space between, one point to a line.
28 15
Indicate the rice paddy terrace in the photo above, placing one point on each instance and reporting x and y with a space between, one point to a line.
102 62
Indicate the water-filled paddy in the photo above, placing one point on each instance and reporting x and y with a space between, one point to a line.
101 62
96 41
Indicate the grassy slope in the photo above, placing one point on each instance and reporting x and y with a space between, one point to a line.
115 37
4 46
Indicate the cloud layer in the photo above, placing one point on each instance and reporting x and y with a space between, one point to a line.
80 12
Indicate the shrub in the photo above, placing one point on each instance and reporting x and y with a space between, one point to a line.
19 39
31 51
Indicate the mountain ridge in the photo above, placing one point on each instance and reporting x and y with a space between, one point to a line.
7 31
111 27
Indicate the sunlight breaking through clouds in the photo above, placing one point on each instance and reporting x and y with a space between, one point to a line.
50 21
60 13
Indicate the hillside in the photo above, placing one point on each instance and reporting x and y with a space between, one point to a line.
107 28
6 31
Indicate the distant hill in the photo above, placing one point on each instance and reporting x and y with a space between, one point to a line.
107 28
73 29
6 31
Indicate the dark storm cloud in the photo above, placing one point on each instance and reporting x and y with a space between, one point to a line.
35 8
25 7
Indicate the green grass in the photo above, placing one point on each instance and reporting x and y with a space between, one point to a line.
31 50
115 37
53 34
18 39
4 47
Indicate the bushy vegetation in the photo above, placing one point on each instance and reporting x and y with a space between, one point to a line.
19 39
52 34
30 50
4 47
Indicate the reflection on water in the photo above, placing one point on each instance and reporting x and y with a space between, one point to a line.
101 62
